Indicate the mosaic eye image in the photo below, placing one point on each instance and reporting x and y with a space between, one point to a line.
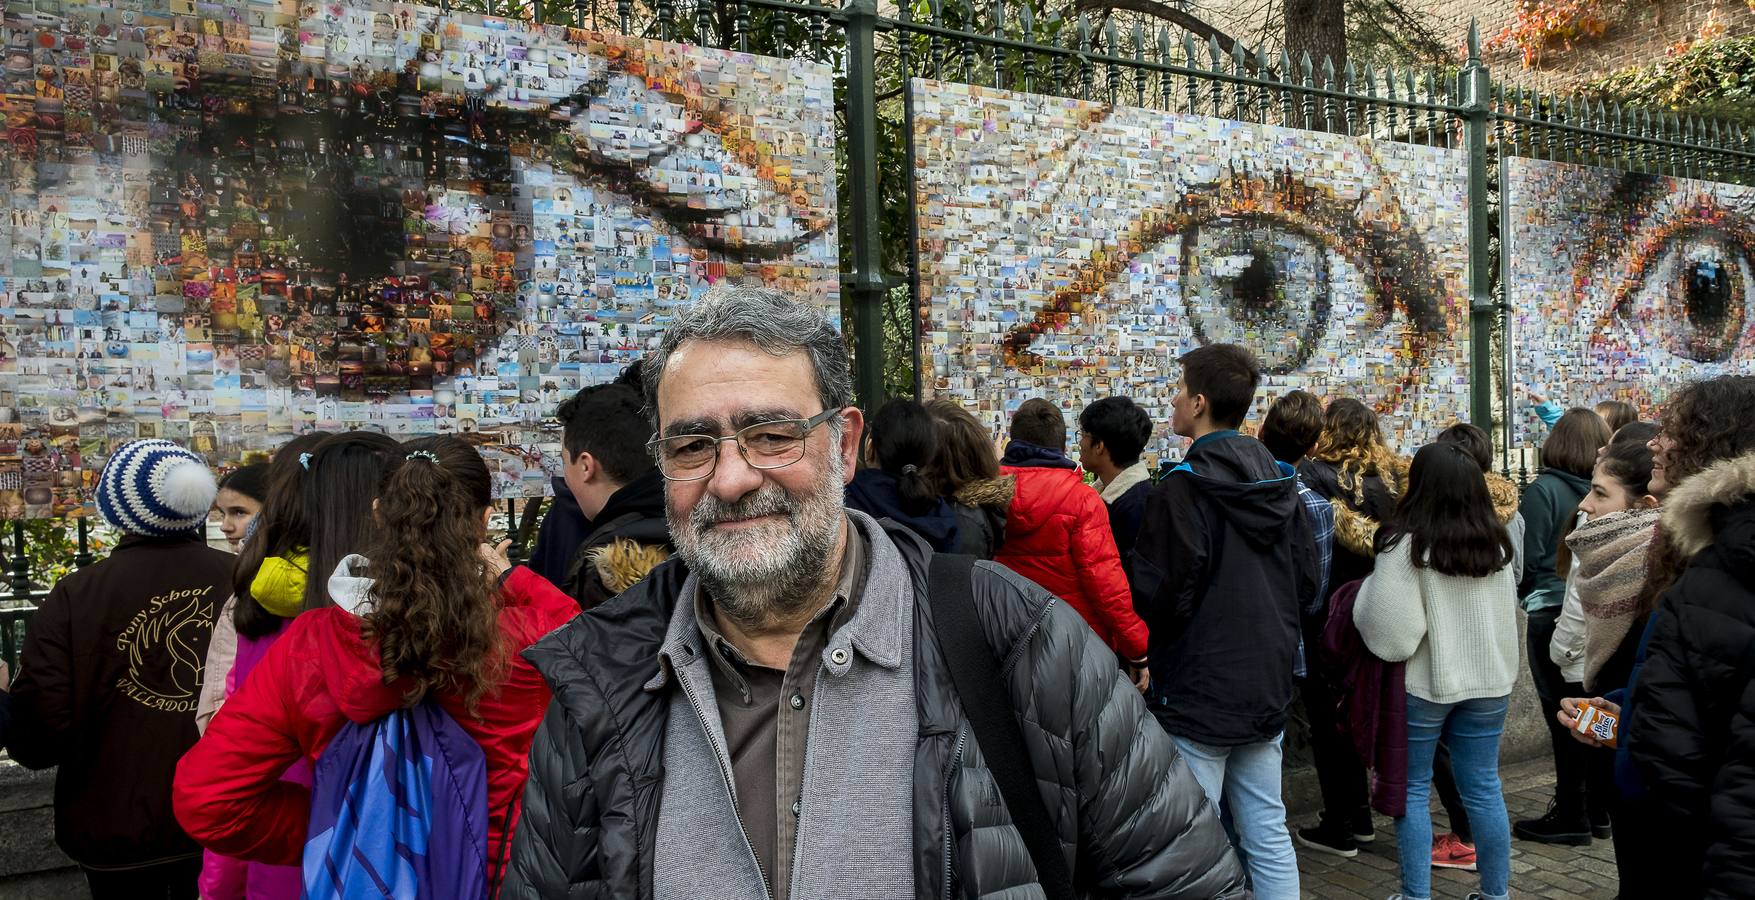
230 223
1074 250
1623 285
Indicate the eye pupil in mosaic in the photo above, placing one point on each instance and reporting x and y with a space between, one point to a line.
1258 284
1073 250
232 223
1624 286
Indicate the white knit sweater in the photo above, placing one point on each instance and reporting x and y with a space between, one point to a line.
1458 635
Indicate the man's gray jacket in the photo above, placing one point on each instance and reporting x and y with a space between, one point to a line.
1131 818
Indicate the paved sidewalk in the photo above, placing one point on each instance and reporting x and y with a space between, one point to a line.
1537 870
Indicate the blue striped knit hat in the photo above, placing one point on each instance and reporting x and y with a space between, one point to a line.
155 488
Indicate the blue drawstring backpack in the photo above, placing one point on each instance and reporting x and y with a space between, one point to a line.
399 810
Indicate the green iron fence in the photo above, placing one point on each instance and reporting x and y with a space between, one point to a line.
1122 58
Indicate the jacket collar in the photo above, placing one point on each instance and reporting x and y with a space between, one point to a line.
1689 509
1125 480
1024 454
1212 437
170 540
644 495
876 630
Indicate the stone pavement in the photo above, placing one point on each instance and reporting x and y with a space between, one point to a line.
1537 870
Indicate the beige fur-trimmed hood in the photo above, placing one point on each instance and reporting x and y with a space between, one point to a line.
997 492
1505 497
623 562
1687 521
1354 531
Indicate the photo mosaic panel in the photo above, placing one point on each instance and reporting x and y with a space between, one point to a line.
1073 250
232 222
1625 286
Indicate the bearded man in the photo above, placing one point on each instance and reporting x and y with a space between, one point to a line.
778 718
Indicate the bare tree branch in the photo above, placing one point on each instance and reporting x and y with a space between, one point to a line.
1181 18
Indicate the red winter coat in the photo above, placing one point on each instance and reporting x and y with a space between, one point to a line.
1057 535
318 677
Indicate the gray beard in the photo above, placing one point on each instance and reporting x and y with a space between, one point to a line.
769 574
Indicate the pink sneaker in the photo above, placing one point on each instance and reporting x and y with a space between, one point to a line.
1450 853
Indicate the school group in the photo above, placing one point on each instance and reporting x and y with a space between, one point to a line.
767 647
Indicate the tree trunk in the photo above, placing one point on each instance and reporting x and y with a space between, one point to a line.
1317 27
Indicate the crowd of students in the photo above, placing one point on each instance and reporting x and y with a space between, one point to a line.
197 702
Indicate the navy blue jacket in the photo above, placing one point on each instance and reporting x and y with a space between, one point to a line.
564 528
1225 561
877 494
1125 516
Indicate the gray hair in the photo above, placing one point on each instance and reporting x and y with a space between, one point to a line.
776 322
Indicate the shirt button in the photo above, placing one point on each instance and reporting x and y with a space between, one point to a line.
839 656
797 701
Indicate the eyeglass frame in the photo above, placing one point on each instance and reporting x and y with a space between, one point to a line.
806 426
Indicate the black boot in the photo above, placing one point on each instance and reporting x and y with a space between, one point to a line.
1559 826
1599 826
1328 837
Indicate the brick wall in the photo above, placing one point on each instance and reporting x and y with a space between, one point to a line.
1639 32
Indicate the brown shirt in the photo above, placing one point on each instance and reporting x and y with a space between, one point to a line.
766 716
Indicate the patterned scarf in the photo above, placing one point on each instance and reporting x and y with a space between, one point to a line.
1609 556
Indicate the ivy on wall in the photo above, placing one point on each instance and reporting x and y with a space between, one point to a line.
1540 25
1712 77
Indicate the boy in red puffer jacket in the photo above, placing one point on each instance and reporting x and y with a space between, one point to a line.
1057 534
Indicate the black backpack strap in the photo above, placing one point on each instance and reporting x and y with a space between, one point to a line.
497 865
988 705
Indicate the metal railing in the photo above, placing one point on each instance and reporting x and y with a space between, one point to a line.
27 587
1122 58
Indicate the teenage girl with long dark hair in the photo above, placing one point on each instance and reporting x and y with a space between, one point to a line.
1442 598
1354 469
251 620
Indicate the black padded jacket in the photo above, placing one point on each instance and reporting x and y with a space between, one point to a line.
1691 722
1131 818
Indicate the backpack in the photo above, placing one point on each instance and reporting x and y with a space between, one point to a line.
399 810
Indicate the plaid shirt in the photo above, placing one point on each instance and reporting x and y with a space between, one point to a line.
1322 528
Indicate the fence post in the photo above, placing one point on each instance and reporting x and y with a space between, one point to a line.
20 575
1478 121
865 283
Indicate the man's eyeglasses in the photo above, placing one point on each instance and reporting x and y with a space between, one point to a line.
764 445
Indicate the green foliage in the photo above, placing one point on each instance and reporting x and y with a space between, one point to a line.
51 545
1711 78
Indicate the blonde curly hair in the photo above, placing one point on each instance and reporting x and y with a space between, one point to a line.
1353 443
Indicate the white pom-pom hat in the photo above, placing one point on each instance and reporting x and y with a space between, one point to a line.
155 488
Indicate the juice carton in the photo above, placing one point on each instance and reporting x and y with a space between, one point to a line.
1598 723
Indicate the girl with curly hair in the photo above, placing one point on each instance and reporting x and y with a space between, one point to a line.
1686 715
430 610
1354 468
1362 478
